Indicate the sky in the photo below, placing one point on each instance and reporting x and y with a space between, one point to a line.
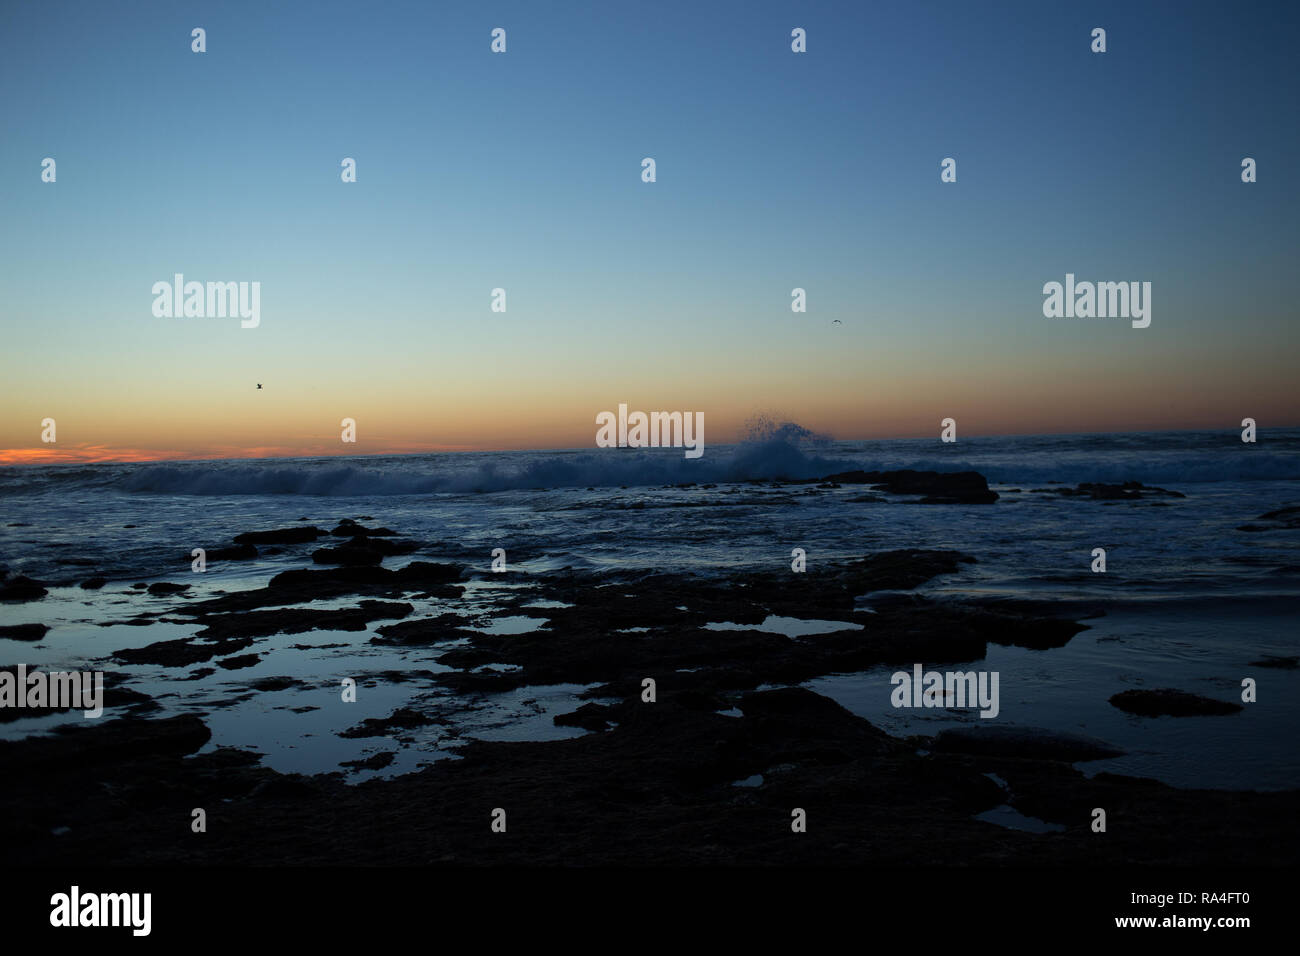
523 171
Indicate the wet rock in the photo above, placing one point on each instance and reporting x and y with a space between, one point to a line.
593 717
904 569
295 620
1283 663
811 727
1027 742
395 677
664 769
167 587
404 718
22 588
937 487
238 552
93 744
374 762
181 652
962 487
276 683
349 529
661 769
386 547
1171 703
1101 491
243 660
288 787
351 555
1020 630
737 659
23 632
1283 519
301 585
363 551
479 682
115 695
430 630
280 536
94 584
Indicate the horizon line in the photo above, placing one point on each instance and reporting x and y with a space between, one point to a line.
19 457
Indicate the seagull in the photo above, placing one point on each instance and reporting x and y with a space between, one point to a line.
835 322
259 384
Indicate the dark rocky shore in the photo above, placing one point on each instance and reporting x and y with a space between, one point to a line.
651 782
655 789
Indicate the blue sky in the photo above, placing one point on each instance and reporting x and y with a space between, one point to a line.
522 170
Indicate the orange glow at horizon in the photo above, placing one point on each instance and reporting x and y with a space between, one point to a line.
904 397
64 454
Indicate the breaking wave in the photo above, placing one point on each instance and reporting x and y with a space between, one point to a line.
772 451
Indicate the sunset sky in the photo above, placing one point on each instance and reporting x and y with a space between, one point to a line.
523 171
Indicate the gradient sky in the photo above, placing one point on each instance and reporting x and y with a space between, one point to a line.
522 171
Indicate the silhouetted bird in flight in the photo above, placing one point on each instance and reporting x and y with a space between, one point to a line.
259 384
834 322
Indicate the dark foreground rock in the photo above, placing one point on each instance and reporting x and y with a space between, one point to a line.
22 588
424 631
374 762
240 661
23 632
181 652
649 782
1281 663
347 528
613 634
1032 742
239 552
351 555
167 587
1171 703
1283 519
404 718
654 789
570 648
937 487
98 743
301 585
116 694
1101 491
296 620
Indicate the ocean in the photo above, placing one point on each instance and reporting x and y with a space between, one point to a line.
1189 600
